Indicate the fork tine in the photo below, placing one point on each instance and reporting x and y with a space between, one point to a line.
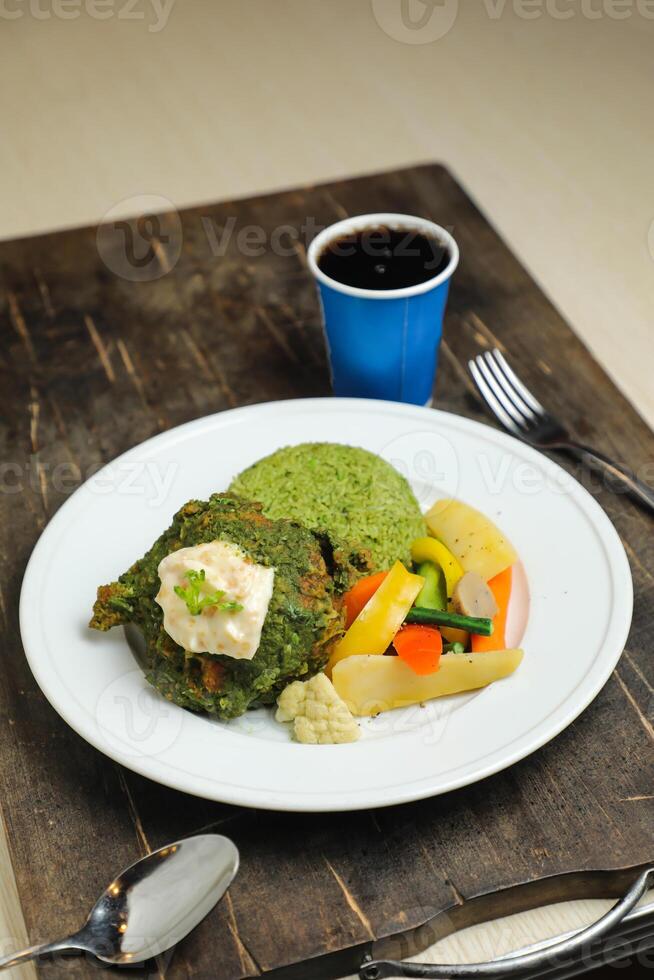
498 391
524 392
491 400
507 387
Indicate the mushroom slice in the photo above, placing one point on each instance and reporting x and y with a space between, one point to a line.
472 597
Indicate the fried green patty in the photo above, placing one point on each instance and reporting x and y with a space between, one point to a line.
304 616
347 491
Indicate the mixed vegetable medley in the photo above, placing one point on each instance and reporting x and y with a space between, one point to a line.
437 629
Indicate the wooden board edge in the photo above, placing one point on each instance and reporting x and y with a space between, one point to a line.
258 196
12 921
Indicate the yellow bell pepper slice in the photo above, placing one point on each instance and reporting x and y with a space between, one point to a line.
429 549
380 619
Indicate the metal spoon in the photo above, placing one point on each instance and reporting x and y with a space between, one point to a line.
152 905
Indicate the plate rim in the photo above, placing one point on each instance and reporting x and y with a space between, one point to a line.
299 801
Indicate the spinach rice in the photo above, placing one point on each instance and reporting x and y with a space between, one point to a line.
350 492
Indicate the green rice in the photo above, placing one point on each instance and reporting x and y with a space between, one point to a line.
350 492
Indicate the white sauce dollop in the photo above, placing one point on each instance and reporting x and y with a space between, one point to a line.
226 567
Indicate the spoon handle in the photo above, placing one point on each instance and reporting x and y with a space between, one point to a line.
33 951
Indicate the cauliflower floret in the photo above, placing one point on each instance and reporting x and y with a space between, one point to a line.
319 716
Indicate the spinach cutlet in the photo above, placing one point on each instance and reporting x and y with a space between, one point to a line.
302 621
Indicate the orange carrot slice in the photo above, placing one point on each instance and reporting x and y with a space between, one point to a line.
500 586
420 647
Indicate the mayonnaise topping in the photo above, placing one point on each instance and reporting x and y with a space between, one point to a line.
227 569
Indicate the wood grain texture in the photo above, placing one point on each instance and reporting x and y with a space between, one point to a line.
91 364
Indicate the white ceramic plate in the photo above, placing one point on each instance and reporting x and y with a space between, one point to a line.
580 610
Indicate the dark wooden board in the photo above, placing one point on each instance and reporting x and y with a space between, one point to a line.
91 364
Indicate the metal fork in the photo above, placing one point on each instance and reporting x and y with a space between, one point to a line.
522 415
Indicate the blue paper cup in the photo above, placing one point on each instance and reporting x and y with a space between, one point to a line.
383 343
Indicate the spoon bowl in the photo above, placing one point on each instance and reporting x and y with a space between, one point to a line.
153 904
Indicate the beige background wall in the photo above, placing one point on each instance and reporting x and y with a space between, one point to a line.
542 109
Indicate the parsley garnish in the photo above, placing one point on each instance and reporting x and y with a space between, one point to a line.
196 601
